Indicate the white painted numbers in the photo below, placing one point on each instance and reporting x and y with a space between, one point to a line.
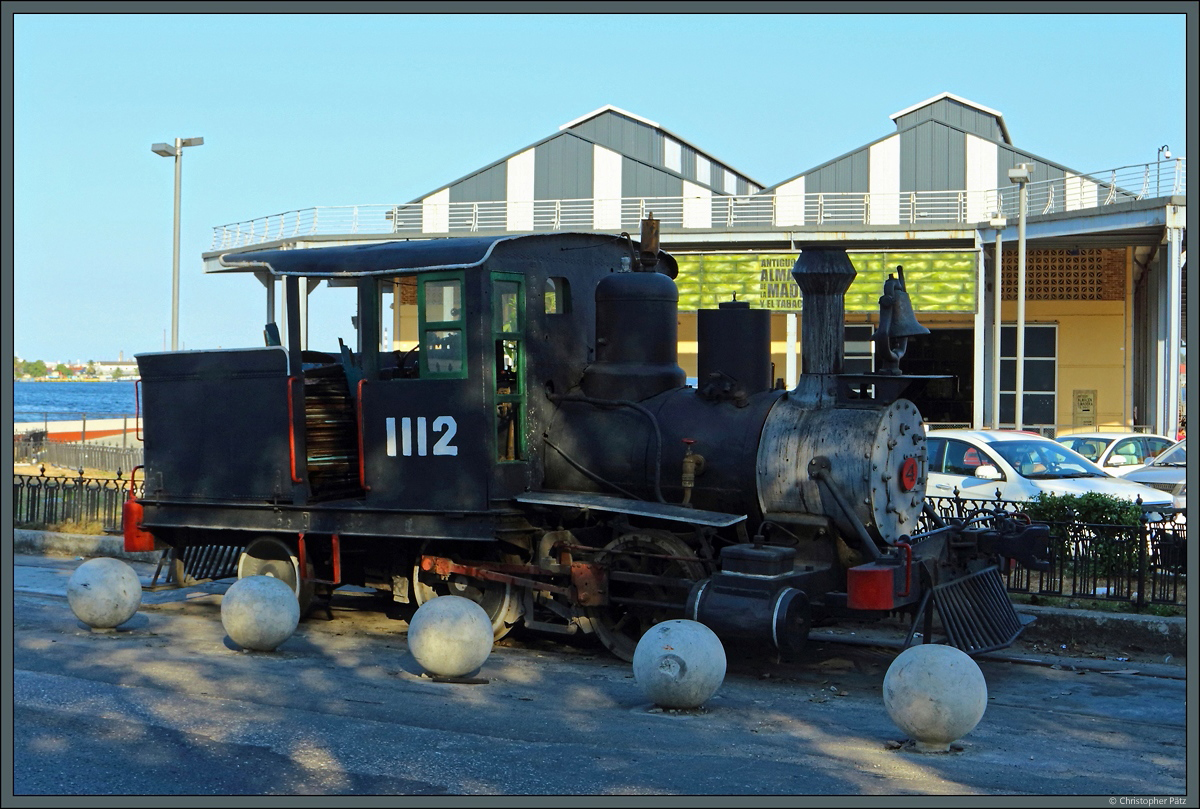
444 429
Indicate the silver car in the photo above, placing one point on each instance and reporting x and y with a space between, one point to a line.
1167 473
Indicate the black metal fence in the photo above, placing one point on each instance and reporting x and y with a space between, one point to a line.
78 456
42 501
1143 564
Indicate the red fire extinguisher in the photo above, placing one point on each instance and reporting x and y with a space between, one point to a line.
136 538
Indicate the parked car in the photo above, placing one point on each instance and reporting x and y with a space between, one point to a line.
1020 466
1167 473
1117 453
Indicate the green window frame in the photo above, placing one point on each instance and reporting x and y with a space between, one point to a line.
442 326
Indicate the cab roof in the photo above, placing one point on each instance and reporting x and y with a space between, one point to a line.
408 256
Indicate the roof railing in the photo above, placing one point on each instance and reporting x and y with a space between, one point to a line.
765 210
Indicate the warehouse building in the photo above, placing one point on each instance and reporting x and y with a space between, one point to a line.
1104 251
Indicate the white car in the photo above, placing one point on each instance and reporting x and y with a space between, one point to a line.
1020 465
1117 453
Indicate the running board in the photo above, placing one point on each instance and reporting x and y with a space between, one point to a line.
636 508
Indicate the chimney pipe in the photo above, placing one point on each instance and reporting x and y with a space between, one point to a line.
823 274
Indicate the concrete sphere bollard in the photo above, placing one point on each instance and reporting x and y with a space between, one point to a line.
679 664
450 636
936 694
104 593
259 612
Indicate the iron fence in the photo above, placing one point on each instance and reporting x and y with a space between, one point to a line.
78 456
1143 564
41 501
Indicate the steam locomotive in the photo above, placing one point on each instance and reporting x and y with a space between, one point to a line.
539 451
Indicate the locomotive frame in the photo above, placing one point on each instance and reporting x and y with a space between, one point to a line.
538 451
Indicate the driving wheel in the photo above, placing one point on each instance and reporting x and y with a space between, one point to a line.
636 603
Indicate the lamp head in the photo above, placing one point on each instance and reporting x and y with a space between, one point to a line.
1021 173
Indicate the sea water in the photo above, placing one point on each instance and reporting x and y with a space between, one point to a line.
54 400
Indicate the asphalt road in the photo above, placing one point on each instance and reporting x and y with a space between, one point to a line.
168 705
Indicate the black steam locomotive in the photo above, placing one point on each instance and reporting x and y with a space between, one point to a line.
539 452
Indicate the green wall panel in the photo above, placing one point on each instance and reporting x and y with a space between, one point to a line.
936 281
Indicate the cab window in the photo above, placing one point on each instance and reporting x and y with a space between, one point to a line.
442 334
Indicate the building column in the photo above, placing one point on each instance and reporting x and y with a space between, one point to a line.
1170 404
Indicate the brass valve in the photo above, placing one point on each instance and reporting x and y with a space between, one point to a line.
693 464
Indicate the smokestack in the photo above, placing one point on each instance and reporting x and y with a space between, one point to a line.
824 274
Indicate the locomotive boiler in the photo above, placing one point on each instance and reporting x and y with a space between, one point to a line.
534 445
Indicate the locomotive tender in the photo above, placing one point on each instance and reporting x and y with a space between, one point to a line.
539 451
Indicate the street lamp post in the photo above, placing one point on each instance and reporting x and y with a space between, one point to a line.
176 151
998 222
1164 153
1020 175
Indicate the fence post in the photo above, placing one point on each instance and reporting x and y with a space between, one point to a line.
1143 559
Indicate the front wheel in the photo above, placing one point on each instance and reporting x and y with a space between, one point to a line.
500 600
268 556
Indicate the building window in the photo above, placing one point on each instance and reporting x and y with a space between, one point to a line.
1041 372
672 155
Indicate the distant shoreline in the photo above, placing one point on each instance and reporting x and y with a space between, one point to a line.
87 379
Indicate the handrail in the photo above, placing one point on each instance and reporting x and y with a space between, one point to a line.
362 464
1071 192
291 383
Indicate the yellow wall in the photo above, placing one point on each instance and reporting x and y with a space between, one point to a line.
1092 348
1091 356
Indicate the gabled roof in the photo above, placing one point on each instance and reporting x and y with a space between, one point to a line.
660 128
564 130
995 113
610 108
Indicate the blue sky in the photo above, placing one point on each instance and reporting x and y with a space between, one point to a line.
324 110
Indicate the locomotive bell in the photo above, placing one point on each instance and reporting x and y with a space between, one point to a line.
895 309
896 323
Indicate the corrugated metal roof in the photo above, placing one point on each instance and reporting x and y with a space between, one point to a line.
566 130
610 108
999 116
1025 155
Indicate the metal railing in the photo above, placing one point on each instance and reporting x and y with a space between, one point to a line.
78 456
51 502
1070 193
